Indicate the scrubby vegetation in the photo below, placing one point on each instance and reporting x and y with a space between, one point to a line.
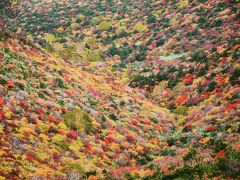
119 89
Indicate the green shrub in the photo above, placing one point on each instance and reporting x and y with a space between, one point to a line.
155 176
171 141
93 55
113 117
60 82
160 42
144 158
64 145
235 76
74 171
230 165
184 173
211 86
167 152
181 110
190 155
69 53
151 19
173 82
199 57
78 120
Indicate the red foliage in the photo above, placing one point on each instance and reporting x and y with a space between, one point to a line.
1 55
42 63
10 66
32 120
224 60
130 138
88 146
60 131
181 99
57 158
22 105
134 122
52 119
220 154
230 107
188 79
37 56
41 116
108 140
2 24
145 121
30 157
1 101
166 92
64 110
2 116
102 153
211 128
10 83
72 134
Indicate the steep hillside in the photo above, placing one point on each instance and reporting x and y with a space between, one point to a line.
120 90
43 129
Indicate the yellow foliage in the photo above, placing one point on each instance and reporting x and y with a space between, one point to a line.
42 155
57 138
49 37
42 125
104 26
179 88
60 29
29 37
173 22
183 3
124 81
8 114
123 21
43 137
121 29
23 130
2 152
75 147
81 16
1 130
139 27
74 26
44 171
63 126
95 20
90 41
157 91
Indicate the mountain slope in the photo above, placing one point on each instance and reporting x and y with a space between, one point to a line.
115 92
38 88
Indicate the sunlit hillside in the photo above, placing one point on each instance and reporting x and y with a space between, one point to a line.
127 90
